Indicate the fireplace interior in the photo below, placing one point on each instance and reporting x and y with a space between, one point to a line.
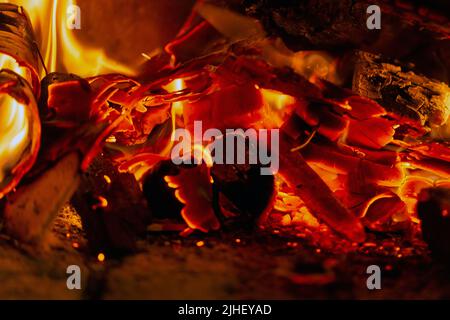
354 119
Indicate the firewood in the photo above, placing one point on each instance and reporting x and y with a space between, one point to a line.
29 211
316 195
415 31
15 97
433 209
18 41
402 91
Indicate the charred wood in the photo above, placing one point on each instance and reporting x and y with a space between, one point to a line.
401 91
113 210
414 31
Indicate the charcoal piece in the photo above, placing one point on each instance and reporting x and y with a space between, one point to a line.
161 199
112 207
244 188
434 211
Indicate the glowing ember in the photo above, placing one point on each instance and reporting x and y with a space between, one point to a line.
101 257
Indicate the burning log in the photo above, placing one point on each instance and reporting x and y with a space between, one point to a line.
316 194
413 31
29 211
433 209
18 49
402 91
72 134
20 130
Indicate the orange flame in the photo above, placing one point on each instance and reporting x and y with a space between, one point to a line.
8 62
276 107
14 130
176 109
14 123
59 45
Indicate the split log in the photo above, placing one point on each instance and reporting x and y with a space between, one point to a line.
29 211
18 42
316 195
402 91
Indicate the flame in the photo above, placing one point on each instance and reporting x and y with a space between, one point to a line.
276 107
14 125
59 45
14 130
176 86
8 62
176 109
313 64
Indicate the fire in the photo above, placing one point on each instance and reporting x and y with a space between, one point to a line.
8 62
14 130
276 107
313 64
443 132
59 45
174 86
14 125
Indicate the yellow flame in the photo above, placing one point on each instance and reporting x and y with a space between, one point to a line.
8 62
175 86
276 107
59 45
14 126
14 130
176 109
